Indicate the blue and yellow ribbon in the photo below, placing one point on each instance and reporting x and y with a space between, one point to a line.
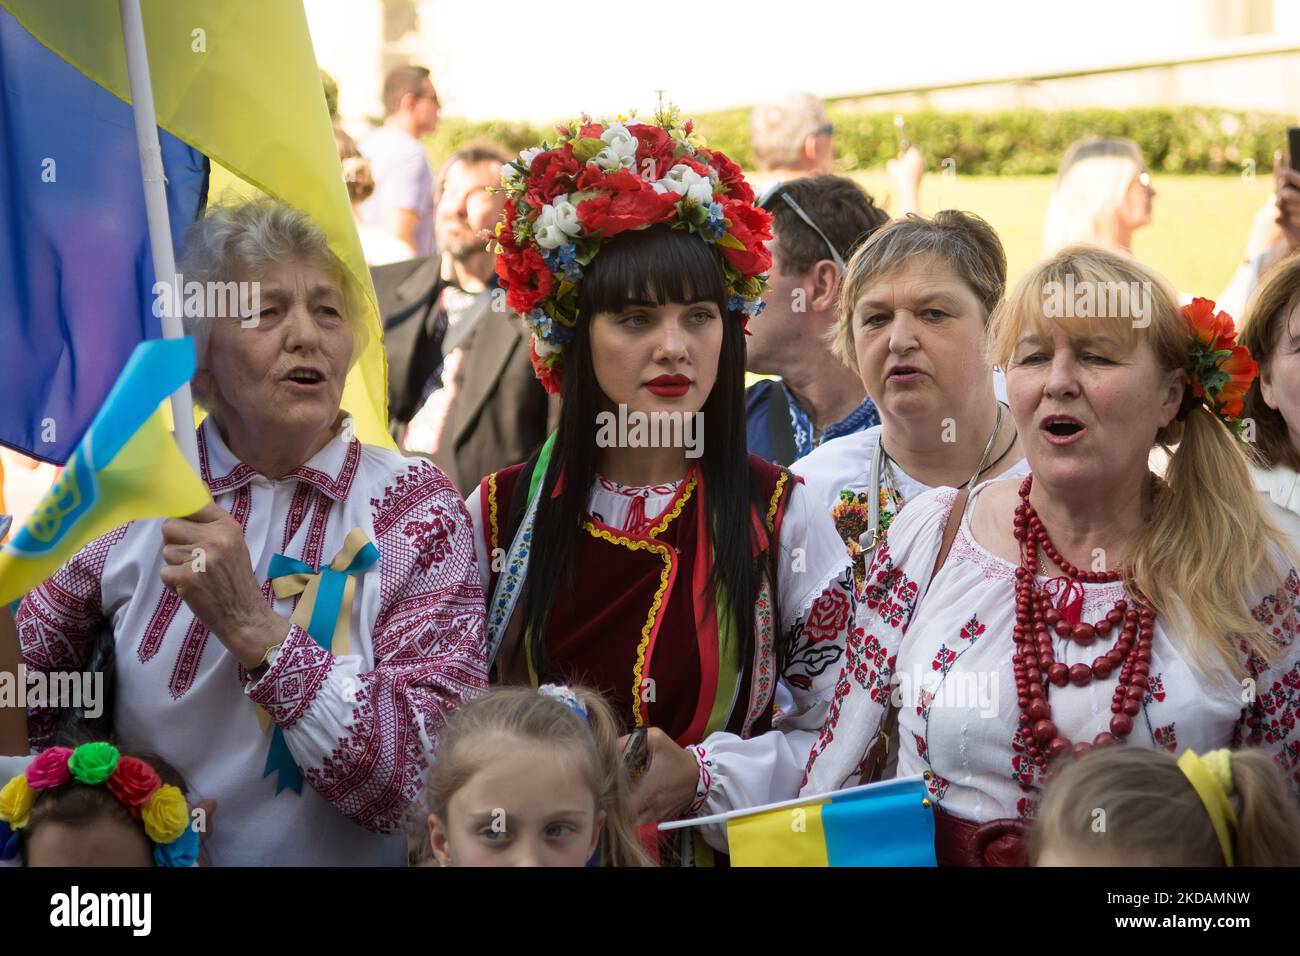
325 612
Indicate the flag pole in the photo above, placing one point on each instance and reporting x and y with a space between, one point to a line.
155 202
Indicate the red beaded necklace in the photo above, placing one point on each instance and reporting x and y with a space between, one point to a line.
1035 664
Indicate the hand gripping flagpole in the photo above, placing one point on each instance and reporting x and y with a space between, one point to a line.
155 202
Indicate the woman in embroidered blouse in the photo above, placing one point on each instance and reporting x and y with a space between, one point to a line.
913 312
999 669
210 671
1271 330
683 580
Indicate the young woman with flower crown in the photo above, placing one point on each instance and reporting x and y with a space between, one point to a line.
1121 607
685 583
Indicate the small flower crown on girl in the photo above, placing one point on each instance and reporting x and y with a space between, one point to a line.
566 199
160 806
1221 371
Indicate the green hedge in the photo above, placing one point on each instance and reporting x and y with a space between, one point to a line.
1011 142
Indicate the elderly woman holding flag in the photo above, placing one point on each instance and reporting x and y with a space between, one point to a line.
317 620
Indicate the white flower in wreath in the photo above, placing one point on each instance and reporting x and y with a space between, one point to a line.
511 173
557 223
687 183
620 148
544 348
527 156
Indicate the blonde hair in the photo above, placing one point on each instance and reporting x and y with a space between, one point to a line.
1269 311
961 240
1094 178
523 714
1154 817
1200 573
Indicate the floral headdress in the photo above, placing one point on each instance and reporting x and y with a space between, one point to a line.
566 199
159 806
1221 370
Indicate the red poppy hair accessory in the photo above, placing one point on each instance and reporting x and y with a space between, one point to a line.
1221 370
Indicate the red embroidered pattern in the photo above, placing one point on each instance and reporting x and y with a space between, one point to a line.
431 538
1166 737
58 620
186 667
292 684
338 488
428 653
238 475
828 616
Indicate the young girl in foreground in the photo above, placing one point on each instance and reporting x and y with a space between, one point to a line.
532 778
94 806
1130 806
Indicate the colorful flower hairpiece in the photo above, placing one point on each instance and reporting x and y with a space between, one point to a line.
1221 370
159 806
566 199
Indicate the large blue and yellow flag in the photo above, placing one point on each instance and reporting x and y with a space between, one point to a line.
881 824
127 467
234 82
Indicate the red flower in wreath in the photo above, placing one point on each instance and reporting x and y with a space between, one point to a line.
525 279
653 145
731 176
548 372
551 174
752 227
629 203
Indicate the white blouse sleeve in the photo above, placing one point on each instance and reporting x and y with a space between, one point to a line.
816 606
474 503
895 584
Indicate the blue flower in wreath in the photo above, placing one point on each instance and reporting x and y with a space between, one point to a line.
563 261
547 328
716 223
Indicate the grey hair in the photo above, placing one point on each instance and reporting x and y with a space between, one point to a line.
778 129
236 239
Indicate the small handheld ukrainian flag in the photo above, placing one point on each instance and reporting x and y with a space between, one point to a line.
127 467
890 823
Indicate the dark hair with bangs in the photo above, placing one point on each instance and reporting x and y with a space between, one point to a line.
662 265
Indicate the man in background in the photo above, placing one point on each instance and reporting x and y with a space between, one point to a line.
403 199
479 407
790 137
818 223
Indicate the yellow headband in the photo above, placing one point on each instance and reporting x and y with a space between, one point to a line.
1211 778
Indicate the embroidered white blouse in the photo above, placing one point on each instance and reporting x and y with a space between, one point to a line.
817 607
838 473
361 726
947 649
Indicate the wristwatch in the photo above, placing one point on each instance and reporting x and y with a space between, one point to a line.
268 659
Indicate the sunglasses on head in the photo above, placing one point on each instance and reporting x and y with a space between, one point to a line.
776 190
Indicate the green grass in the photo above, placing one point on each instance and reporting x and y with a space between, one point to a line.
1196 237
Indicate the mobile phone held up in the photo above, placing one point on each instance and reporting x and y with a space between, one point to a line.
1293 146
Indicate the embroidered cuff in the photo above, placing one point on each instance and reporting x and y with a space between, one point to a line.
705 783
287 689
